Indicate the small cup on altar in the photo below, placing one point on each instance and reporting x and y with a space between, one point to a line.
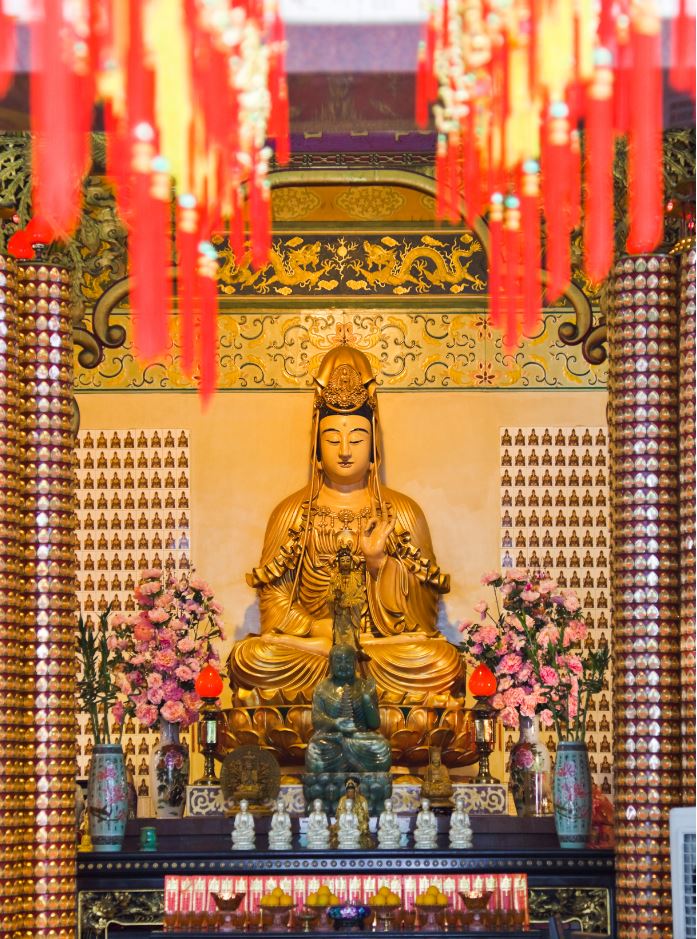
148 838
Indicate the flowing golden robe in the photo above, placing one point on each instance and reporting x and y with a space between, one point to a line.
410 659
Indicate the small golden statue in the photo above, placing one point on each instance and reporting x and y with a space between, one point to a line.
437 786
347 600
360 809
250 774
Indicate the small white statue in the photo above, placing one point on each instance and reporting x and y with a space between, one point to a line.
280 835
426 830
243 832
349 832
460 828
389 835
318 827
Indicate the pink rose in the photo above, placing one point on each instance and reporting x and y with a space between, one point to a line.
489 577
165 599
142 632
166 636
191 701
158 615
172 690
184 673
118 619
509 664
498 702
154 680
173 711
165 658
549 676
197 584
146 714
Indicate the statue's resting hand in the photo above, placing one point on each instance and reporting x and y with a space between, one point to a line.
346 725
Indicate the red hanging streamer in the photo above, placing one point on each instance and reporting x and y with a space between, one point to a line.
682 67
511 261
187 239
442 177
8 39
530 221
574 182
421 102
556 158
598 230
495 259
453 205
645 144
208 305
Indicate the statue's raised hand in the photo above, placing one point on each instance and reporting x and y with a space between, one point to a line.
373 542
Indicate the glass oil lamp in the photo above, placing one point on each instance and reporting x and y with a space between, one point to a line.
482 685
209 684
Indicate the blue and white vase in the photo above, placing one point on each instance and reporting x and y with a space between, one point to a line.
573 796
107 797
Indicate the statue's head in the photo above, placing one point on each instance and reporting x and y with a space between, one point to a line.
388 805
435 756
244 805
342 664
280 804
345 404
425 804
344 560
459 804
317 805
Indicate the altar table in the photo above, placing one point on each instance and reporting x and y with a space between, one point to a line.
124 890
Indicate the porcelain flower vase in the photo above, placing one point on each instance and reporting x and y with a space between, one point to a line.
107 797
530 772
573 798
169 772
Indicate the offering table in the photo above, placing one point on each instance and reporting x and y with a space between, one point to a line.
126 888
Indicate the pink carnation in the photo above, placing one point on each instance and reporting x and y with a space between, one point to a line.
507 588
199 584
118 619
143 632
547 586
464 626
118 712
149 588
546 718
489 577
498 702
123 684
510 663
154 680
529 596
165 599
146 714
173 711
487 634
509 717
172 690
514 697
524 672
576 630
549 676
184 673
548 635
111 642
516 573
571 601
574 664
191 701
158 615
166 636
155 694
165 658
152 573
503 683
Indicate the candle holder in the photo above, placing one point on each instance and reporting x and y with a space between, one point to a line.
209 684
482 685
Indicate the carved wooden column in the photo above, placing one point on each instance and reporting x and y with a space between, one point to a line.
16 670
645 560
687 520
49 519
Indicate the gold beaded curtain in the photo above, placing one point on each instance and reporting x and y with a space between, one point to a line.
38 604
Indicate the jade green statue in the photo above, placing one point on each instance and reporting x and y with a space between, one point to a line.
346 721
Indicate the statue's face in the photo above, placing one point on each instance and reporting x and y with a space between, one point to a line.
345 564
346 446
343 665
317 805
388 805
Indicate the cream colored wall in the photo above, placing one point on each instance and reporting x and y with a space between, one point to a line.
250 449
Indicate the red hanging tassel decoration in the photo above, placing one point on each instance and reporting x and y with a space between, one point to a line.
623 77
682 68
453 205
645 141
431 42
208 300
237 240
511 260
187 236
421 103
530 218
598 229
555 175
283 127
574 183
495 260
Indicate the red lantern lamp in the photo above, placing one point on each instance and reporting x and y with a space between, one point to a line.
208 685
20 246
39 231
482 683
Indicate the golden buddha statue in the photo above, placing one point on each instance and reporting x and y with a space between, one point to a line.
437 786
345 506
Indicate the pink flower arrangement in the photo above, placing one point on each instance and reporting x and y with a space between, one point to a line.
160 650
533 644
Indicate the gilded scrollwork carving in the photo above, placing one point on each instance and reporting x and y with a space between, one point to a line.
98 909
589 905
